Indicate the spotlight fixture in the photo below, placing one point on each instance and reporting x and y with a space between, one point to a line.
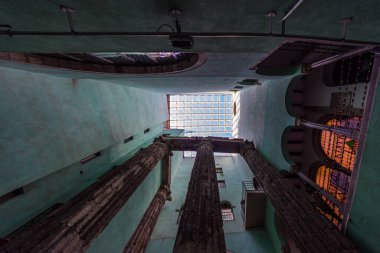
181 41
178 39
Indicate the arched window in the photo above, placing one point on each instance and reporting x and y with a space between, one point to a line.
336 184
338 148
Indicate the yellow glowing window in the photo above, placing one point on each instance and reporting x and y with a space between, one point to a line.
336 183
332 181
339 148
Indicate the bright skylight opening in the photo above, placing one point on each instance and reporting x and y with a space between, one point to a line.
202 114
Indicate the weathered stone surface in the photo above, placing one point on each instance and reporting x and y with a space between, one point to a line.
201 226
166 169
219 144
72 227
141 236
311 231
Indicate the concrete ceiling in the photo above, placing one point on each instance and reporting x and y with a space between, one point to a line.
232 56
313 17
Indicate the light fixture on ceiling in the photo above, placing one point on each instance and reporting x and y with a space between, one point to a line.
271 14
345 22
69 12
178 39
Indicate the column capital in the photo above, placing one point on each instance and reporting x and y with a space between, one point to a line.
204 142
247 145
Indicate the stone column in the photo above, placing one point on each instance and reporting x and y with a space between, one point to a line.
201 227
73 226
141 236
310 230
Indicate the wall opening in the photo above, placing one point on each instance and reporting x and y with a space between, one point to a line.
128 139
12 194
90 157
227 212
221 184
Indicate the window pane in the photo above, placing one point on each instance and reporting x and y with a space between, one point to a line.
201 115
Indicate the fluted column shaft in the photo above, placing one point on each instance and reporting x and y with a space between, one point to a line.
201 226
311 231
141 236
72 227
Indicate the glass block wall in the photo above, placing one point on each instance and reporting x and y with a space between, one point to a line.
202 114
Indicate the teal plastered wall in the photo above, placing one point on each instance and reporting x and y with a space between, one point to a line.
237 238
51 122
270 226
177 157
63 184
263 119
364 223
242 168
276 120
250 241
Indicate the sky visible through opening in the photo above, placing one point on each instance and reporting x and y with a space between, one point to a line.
202 114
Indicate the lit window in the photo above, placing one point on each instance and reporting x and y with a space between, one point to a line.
332 181
201 115
336 184
340 148
226 209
